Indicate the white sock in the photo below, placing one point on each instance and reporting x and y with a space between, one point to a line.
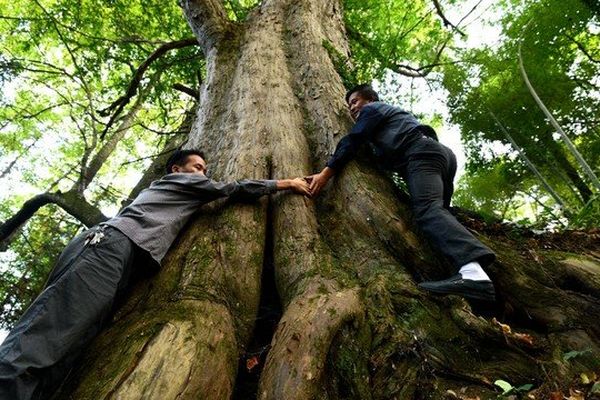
474 272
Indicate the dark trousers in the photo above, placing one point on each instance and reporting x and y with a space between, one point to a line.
429 175
67 315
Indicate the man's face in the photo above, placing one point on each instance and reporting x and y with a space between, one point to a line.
355 103
194 164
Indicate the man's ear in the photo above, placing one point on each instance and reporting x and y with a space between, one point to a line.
175 168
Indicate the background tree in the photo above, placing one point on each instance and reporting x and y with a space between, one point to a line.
88 95
560 54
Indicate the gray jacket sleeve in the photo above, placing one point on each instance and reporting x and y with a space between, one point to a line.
208 189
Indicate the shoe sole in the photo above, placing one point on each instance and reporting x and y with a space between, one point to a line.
475 296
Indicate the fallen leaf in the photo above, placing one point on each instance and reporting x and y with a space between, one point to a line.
251 363
524 337
451 394
505 328
535 256
575 395
584 378
556 396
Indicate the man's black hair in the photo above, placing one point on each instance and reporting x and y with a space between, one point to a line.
179 157
365 91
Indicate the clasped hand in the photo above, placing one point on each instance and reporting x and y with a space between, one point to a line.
311 185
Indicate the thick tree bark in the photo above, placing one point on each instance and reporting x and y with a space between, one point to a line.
354 324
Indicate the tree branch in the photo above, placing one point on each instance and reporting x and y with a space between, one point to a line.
531 166
187 90
108 147
72 202
469 13
398 68
80 74
573 150
402 69
153 156
17 158
156 169
582 48
208 21
156 131
122 101
440 12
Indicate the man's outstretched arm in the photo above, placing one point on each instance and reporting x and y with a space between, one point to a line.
368 120
255 188
210 190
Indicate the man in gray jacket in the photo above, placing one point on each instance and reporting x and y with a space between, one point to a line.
403 145
95 267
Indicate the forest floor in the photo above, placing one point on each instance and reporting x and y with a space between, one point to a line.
569 240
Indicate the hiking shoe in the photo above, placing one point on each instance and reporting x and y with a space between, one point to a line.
467 288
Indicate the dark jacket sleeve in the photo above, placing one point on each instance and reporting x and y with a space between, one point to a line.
368 120
208 190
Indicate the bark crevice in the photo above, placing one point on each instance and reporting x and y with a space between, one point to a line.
251 363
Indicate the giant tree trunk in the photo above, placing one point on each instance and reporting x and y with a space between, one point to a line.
354 324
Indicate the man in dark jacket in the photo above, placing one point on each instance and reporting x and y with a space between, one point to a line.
402 144
95 267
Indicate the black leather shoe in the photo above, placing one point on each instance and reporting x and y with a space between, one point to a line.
467 288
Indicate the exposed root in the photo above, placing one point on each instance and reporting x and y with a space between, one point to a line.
300 346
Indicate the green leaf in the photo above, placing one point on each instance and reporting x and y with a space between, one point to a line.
575 353
524 388
595 388
505 386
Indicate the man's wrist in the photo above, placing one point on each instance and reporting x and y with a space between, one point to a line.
327 172
284 184
271 185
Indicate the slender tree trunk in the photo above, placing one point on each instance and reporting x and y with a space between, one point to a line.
571 172
354 324
108 147
572 149
532 167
